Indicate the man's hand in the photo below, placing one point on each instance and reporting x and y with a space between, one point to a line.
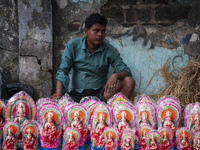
55 97
110 86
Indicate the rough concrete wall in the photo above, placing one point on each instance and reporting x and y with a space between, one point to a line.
9 64
35 45
146 32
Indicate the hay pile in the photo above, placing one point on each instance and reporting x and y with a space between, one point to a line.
183 84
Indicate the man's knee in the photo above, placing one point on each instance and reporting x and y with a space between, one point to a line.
129 82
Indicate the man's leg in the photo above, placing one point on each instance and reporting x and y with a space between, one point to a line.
125 86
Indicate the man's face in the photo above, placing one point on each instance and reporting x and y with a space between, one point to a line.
95 35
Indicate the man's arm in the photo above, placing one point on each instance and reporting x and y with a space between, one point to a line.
59 89
110 86
62 74
121 80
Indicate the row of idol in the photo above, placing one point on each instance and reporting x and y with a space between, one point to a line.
118 124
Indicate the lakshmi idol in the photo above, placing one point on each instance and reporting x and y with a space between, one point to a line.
97 136
123 124
153 145
77 123
184 143
144 120
72 144
197 146
127 145
168 121
143 141
10 141
50 133
165 142
30 141
21 116
110 144
195 127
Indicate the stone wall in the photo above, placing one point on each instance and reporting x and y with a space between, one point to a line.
34 34
9 50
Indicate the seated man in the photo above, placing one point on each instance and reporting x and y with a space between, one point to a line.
90 57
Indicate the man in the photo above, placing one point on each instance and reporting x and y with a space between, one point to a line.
90 57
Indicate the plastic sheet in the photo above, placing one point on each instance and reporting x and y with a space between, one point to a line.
64 101
118 97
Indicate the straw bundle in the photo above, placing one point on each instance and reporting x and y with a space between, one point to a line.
183 84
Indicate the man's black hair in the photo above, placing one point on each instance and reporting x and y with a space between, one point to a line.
95 18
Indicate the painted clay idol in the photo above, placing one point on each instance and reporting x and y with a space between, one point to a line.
11 131
168 112
124 117
30 132
143 130
2 114
128 141
196 142
144 120
20 108
72 137
21 116
193 118
51 118
77 116
111 138
145 113
153 139
167 137
49 132
168 116
101 119
184 137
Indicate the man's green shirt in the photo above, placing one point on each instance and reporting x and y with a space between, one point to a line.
89 69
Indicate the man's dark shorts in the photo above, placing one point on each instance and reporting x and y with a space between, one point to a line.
87 92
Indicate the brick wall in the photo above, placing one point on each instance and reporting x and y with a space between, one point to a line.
145 12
